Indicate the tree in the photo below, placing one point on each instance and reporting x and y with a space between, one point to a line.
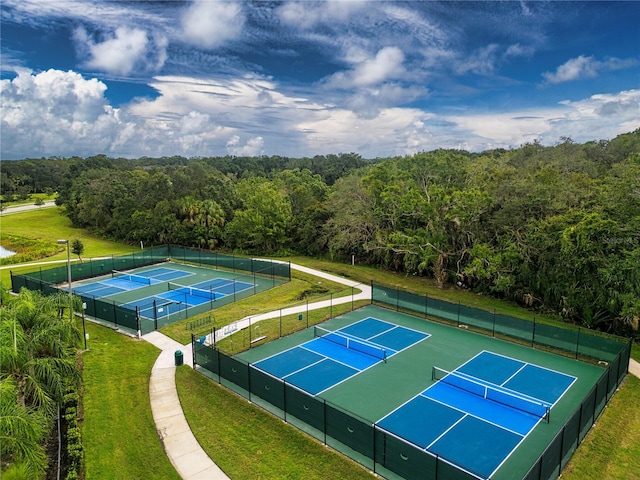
353 226
22 432
263 223
38 342
77 248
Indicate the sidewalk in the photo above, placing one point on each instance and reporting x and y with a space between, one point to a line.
180 445
187 456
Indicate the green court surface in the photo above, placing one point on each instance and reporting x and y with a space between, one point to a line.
375 392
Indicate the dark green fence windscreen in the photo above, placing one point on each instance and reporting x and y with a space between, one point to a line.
387 453
577 343
338 428
51 280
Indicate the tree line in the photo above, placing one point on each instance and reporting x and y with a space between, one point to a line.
555 228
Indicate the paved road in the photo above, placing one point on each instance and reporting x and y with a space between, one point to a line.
26 208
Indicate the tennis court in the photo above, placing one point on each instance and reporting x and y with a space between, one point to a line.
168 292
335 356
492 400
179 297
436 398
126 281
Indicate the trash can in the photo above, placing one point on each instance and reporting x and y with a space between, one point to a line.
179 358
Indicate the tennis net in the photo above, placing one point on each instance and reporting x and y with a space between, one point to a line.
501 395
196 292
130 277
352 343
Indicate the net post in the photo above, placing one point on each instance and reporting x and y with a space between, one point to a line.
548 415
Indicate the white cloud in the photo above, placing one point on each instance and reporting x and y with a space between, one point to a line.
306 15
253 147
211 23
585 67
55 113
125 50
480 62
62 113
387 64
597 117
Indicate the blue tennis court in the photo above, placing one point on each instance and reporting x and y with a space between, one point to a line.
335 356
178 297
476 416
124 282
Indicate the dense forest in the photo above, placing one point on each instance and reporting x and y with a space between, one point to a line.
554 228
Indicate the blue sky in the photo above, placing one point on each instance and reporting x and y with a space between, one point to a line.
302 78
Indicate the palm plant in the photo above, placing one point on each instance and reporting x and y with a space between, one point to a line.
38 342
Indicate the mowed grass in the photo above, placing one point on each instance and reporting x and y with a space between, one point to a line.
611 450
118 432
301 289
248 443
49 224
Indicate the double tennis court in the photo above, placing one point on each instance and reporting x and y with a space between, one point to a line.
179 296
333 357
126 281
155 293
477 415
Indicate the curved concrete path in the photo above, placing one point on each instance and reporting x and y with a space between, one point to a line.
185 453
187 456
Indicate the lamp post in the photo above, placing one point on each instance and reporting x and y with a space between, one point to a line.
63 242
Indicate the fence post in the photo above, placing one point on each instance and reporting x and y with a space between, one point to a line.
371 292
155 315
426 305
352 298
307 313
331 306
578 342
193 351
533 333
493 328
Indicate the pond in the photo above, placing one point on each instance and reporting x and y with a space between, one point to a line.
4 253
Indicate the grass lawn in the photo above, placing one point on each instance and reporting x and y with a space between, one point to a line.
611 450
49 225
298 291
118 433
248 443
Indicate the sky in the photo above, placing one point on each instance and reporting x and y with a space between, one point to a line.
200 78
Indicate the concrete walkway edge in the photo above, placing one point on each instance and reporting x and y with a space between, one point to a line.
181 446
185 453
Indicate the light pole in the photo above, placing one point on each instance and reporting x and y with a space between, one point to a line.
63 242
